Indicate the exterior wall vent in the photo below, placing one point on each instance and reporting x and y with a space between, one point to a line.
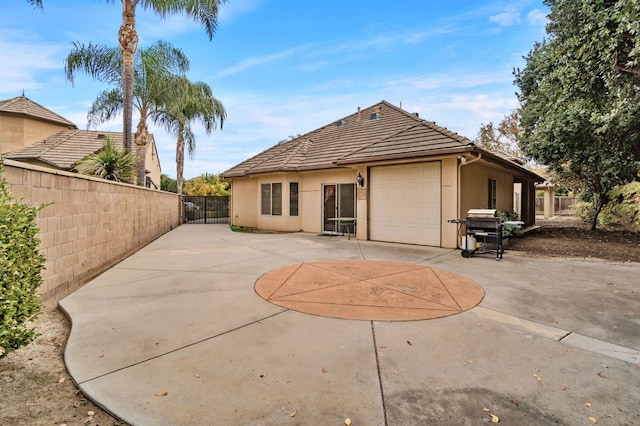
375 116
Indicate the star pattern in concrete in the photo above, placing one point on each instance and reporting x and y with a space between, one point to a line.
369 290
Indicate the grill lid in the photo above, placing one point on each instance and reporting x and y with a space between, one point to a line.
482 213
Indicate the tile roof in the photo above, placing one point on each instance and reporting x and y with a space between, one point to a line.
65 148
21 105
382 131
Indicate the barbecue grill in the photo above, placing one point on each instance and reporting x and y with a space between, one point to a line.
483 232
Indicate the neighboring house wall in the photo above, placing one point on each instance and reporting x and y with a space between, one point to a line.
91 225
17 132
152 164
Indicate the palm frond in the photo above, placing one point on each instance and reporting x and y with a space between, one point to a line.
100 62
106 107
203 11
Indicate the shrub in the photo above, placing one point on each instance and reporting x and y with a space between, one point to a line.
20 268
623 209
109 163
507 231
584 210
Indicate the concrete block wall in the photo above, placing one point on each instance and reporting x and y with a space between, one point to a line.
89 224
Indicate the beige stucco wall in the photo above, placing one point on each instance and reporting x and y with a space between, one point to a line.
18 132
91 224
152 164
475 187
245 200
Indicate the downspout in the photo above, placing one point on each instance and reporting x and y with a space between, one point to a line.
463 162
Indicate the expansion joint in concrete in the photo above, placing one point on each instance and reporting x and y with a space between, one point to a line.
375 351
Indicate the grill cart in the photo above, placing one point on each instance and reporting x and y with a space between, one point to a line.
483 232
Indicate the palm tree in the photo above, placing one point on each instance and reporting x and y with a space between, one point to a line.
109 163
186 103
157 68
203 11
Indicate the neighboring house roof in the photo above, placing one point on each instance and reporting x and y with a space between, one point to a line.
23 106
378 133
64 149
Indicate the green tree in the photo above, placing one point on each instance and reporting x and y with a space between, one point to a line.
109 163
206 185
579 96
168 184
187 103
21 265
157 69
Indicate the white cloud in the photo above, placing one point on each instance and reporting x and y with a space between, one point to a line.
256 61
28 60
537 17
229 11
509 17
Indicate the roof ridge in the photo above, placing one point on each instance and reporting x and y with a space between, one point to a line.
54 143
18 105
302 144
362 148
431 124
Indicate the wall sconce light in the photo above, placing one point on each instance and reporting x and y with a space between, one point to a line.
360 180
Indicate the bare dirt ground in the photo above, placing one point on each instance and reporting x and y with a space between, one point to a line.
569 237
35 388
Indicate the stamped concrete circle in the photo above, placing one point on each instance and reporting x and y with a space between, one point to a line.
369 290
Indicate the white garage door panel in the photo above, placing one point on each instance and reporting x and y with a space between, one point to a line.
404 204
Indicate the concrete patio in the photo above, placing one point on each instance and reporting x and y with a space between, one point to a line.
177 335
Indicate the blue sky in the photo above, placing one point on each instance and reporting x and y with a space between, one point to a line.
286 67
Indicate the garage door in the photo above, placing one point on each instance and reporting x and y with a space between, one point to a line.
404 203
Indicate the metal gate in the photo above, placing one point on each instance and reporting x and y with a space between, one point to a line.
209 209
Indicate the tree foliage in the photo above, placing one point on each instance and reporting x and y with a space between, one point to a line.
109 163
206 185
168 184
580 95
21 265
158 69
188 102
202 11
504 137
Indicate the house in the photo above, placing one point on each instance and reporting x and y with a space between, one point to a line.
33 134
399 177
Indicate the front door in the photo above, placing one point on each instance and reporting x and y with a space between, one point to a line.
339 200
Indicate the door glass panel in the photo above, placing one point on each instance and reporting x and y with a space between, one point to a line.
329 207
346 208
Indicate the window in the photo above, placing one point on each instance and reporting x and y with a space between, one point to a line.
491 204
271 199
293 198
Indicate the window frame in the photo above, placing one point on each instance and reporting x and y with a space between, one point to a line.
294 201
271 199
492 196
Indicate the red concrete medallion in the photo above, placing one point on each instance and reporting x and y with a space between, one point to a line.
369 290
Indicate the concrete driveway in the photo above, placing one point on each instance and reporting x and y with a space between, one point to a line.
176 335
